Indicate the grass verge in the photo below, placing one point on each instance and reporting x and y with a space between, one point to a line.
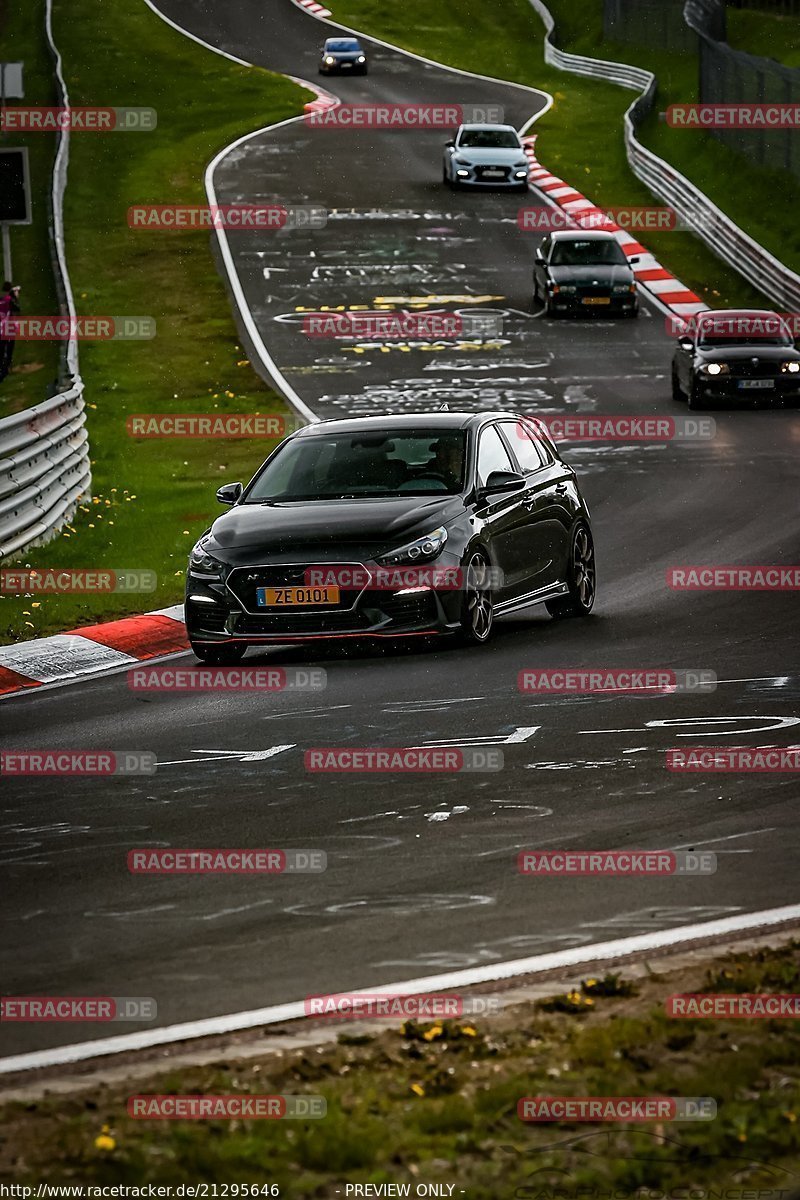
581 137
437 1103
152 498
772 35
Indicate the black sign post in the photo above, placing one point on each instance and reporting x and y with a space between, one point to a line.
15 197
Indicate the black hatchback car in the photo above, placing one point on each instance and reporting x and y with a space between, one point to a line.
736 356
428 523
342 54
584 271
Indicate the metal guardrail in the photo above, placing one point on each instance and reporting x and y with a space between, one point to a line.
722 235
44 450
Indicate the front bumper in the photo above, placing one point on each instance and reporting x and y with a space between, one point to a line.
597 303
343 68
476 176
785 389
214 614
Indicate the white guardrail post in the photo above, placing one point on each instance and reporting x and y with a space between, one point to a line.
722 235
44 450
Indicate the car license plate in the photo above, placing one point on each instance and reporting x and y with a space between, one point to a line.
493 173
307 596
596 300
345 66
756 383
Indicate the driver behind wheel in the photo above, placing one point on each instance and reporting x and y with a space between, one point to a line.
446 462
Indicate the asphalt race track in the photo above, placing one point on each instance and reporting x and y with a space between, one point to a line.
422 869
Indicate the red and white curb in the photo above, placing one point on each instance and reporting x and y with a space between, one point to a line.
95 648
657 280
316 10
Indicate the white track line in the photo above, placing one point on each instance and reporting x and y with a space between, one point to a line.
280 1013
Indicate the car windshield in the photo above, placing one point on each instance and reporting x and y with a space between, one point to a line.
342 45
353 466
591 252
502 139
744 331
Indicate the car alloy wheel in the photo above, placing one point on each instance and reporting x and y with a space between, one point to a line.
224 655
477 615
582 579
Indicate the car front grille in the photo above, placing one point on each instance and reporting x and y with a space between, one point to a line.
480 173
244 583
744 368
288 623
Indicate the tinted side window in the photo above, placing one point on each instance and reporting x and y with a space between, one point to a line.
492 455
528 452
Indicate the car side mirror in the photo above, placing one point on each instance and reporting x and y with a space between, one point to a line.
451 142
685 343
502 481
538 255
635 259
229 493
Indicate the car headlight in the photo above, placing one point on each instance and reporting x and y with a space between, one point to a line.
560 287
361 58
330 60
203 564
423 549
791 368
716 369
624 287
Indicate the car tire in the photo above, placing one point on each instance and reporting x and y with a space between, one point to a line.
446 180
677 391
224 655
477 608
581 578
550 308
694 400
